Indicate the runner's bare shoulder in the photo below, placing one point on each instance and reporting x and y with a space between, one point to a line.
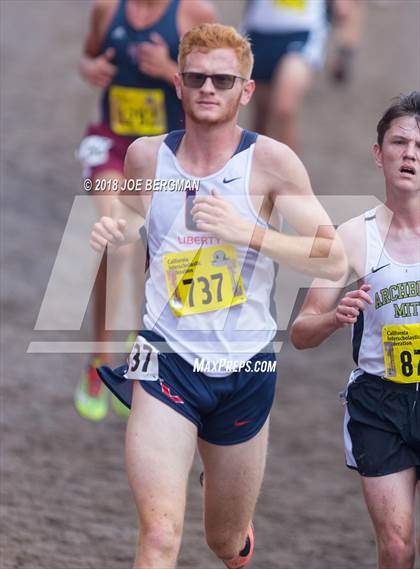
195 12
280 168
104 7
100 18
140 160
353 236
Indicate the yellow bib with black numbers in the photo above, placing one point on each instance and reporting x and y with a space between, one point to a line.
203 280
137 112
401 345
298 5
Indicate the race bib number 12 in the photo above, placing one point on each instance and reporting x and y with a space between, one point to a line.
401 346
137 112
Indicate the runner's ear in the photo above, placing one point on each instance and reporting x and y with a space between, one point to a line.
377 155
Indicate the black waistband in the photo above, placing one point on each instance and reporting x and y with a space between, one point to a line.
392 384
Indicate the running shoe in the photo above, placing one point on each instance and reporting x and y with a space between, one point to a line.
342 69
245 555
131 338
91 396
120 409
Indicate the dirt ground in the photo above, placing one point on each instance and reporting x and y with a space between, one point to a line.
64 495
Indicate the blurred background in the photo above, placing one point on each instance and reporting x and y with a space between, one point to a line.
65 500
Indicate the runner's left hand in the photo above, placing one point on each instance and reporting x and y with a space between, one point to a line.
153 57
219 217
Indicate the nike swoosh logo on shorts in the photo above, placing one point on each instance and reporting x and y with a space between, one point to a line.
241 423
228 180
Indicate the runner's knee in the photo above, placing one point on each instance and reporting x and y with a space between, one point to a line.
162 536
284 110
397 552
225 545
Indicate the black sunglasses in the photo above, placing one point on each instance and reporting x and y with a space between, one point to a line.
220 80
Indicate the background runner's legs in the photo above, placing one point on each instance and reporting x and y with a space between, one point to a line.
290 83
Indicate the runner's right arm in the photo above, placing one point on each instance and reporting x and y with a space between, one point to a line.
94 67
129 209
320 318
121 228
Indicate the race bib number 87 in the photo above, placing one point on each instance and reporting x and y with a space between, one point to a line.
401 346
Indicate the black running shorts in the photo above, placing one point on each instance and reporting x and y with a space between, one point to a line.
382 426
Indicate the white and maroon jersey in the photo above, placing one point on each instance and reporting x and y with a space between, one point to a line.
209 299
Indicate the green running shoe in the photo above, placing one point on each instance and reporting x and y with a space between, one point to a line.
91 395
120 409
131 338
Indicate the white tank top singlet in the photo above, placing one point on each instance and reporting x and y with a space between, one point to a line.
210 300
272 16
387 334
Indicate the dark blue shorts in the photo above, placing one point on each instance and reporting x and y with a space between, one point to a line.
226 410
270 48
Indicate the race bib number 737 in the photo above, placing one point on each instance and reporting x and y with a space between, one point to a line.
202 280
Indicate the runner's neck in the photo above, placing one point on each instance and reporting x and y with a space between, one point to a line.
145 13
405 209
207 148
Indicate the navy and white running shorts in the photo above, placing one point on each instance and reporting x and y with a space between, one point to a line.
226 410
270 48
